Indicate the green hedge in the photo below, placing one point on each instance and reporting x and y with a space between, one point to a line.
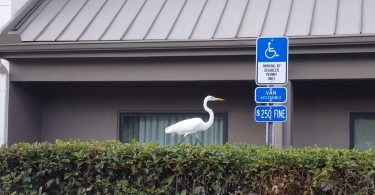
115 168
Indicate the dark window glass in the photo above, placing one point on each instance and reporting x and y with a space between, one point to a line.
362 130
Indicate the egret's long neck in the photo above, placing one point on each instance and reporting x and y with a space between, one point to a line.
211 113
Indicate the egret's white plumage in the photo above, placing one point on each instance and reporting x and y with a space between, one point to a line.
194 125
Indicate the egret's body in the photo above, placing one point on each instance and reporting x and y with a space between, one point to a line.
186 127
194 125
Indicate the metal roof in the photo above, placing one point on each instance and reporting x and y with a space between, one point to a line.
134 20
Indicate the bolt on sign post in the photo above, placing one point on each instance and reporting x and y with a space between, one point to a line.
271 69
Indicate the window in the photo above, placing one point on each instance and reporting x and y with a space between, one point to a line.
362 130
149 127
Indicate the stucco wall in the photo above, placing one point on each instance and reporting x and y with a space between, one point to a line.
218 68
24 113
134 69
5 12
321 110
90 111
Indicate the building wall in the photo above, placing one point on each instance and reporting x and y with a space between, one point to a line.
24 114
321 110
218 68
80 98
91 111
50 111
134 69
5 12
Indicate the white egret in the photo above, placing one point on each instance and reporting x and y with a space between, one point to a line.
194 125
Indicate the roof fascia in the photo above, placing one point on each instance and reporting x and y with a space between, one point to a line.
95 49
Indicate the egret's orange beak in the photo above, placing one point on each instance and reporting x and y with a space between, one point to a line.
219 99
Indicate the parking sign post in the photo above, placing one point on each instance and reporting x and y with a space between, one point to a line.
271 69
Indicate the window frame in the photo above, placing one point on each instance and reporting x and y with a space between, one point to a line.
147 113
352 117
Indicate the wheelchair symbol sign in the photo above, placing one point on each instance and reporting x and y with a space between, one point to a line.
270 52
272 60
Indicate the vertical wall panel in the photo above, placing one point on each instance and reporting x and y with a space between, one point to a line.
62 20
231 19
81 21
4 14
300 18
145 19
187 19
277 18
253 19
4 2
209 20
123 20
102 20
324 18
42 20
368 24
349 17
166 19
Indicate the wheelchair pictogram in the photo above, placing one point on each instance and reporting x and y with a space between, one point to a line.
270 52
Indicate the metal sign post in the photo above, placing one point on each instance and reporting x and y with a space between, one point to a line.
271 69
270 135
270 132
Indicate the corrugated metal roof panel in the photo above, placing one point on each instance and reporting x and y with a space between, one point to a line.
166 19
145 19
253 19
300 18
62 20
41 21
324 18
24 24
189 16
102 21
231 19
349 17
277 18
209 20
368 24
123 20
82 21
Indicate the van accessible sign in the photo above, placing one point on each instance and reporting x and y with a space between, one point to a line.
272 60
270 95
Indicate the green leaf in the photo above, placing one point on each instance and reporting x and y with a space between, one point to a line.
183 192
198 189
169 180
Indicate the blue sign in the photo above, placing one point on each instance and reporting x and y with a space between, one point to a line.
273 49
270 95
270 114
272 60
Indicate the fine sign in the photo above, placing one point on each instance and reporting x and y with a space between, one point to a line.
272 61
270 114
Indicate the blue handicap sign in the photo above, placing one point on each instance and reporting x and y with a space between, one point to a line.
273 49
270 95
272 60
270 114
